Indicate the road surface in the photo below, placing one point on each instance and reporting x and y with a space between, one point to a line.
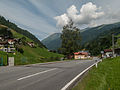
51 76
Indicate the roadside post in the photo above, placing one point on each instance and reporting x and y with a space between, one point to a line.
11 61
96 63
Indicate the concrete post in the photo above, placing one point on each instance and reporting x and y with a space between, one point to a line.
11 61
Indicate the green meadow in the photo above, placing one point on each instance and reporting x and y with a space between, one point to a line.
105 77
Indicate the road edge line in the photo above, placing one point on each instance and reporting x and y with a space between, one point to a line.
74 79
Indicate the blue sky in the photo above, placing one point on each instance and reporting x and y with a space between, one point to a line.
45 17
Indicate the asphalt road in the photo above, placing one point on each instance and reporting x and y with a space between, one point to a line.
51 76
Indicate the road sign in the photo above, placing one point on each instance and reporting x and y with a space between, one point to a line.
11 61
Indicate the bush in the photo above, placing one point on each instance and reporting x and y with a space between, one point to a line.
20 50
57 58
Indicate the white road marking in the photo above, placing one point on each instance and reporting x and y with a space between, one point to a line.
36 74
73 80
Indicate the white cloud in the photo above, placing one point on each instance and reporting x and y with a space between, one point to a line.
88 13
62 20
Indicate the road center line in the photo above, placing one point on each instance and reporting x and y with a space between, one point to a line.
36 74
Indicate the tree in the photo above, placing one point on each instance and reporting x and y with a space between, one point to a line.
70 39
23 39
20 50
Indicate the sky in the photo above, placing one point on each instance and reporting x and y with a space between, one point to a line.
45 17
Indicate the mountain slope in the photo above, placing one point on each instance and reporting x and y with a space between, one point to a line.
103 41
30 55
88 34
11 25
53 41
92 33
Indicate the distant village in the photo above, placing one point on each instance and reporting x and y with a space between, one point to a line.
106 53
7 44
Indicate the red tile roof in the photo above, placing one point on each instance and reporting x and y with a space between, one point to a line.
81 53
107 50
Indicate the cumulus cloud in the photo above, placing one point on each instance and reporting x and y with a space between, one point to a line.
62 20
88 13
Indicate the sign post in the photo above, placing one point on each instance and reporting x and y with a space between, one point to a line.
11 61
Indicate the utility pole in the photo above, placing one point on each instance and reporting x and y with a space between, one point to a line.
113 45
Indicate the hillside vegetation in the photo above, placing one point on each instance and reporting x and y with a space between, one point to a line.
88 35
29 55
103 41
105 77
13 26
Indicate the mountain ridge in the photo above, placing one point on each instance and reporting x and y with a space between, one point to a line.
13 26
87 34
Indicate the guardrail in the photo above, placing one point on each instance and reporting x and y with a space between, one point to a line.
71 83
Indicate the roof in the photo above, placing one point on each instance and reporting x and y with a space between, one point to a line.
107 50
81 53
10 40
4 42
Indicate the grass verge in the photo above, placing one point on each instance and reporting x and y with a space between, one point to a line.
105 77
31 56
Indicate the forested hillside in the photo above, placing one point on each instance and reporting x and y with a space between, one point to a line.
13 26
24 49
103 41
94 32
87 35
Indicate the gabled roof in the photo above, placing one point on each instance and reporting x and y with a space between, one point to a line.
4 42
107 50
81 53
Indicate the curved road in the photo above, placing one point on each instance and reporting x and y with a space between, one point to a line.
47 76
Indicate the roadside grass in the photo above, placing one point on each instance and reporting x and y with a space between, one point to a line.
3 55
35 55
105 77
31 56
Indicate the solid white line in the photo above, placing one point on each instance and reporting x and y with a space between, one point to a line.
73 80
36 74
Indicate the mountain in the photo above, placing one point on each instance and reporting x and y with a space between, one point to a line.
103 41
53 41
92 33
11 25
87 35
23 52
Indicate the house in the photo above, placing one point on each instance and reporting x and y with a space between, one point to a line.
107 53
31 44
5 47
9 50
1 38
81 55
11 41
117 51
3 44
